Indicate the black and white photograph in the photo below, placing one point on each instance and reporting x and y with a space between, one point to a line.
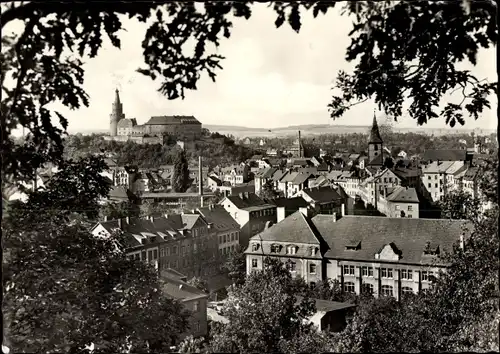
249 177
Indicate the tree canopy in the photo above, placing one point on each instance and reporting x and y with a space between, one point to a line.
180 178
67 289
403 50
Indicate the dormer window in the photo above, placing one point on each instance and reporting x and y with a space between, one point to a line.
255 247
353 245
275 248
314 251
291 249
430 250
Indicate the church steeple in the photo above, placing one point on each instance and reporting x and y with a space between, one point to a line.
375 146
375 134
117 97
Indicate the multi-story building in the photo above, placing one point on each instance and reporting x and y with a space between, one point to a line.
382 256
250 212
228 230
371 188
235 174
262 177
193 300
186 243
299 182
399 202
324 200
122 128
435 178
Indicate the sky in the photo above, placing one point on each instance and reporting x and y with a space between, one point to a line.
270 78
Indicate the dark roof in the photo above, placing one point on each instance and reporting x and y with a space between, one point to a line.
265 172
293 230
289 203
252 200
322 194
119 192
278 175
175 288
219 217
216 180
403 194
409 236
471 173
164 120
445 155
374 133
301 177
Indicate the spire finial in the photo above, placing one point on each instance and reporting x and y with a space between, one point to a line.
117 96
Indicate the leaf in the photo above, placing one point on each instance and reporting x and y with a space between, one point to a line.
294 18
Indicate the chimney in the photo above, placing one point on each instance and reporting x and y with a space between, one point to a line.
246 195
105 218
334 215
128 220
120 224
151 218
200 176
180 287
211 207
241 196
462 241
342 209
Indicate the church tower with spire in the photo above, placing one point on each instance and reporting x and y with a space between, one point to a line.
375 145
116 114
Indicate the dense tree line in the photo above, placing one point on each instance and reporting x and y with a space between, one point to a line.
214 152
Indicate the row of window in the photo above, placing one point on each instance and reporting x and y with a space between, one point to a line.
292 267
410 207
264 212
228 238
406 274
385 290
227 250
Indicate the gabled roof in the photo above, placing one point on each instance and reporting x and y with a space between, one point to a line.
408 235
247 202
216 180
219 217
403 194
289 203
293 229
175 288
278 175
471 173
444 155
301 177
289 177
322 194
265 172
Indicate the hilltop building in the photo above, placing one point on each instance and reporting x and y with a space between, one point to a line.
153 131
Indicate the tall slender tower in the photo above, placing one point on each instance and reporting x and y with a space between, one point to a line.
375 145
116 114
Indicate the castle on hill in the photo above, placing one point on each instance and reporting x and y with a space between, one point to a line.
153 131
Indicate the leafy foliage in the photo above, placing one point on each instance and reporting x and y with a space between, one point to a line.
460 205
235 266
119 210
180 179
264 313
410 50
268 192
66 288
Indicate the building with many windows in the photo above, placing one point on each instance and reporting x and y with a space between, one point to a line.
228 230
379 255
250 212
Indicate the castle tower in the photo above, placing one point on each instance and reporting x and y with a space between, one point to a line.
375 145
116 114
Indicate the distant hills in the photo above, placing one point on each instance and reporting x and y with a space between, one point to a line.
316 129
